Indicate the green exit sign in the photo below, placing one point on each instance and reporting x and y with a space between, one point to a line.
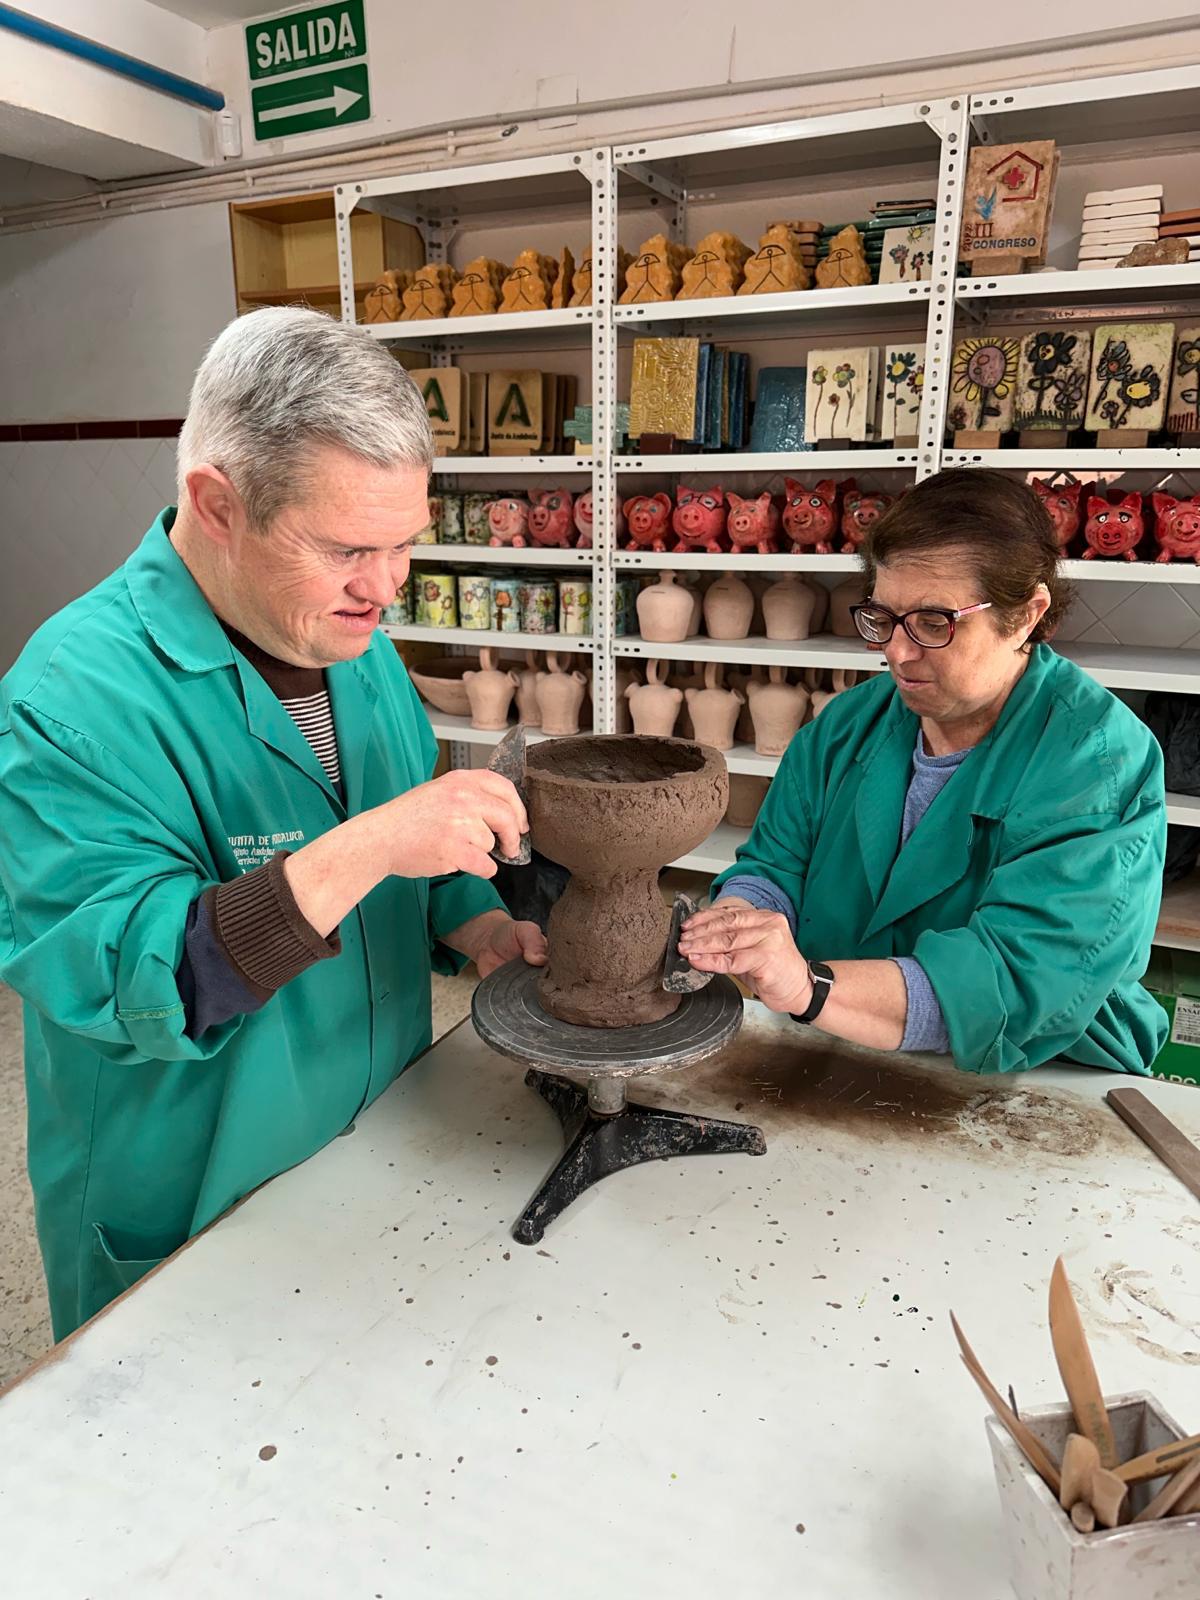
308 70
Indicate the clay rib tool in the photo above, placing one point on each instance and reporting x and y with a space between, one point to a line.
508 759
1165 1459
1172 1147
1077 1369
1034 1451
1171 1494
1080 1460
679 976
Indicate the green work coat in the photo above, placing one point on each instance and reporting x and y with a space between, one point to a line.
142 760
1028 891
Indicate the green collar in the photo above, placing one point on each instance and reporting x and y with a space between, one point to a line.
171 604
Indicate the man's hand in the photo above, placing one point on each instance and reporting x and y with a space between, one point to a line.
756 946
493 939
450 825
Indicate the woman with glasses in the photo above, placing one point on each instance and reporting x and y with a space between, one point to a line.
965 854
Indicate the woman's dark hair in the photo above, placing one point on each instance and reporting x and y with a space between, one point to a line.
997 522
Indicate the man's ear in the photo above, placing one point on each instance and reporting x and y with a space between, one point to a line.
215 504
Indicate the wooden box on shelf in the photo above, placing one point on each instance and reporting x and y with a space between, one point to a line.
285 252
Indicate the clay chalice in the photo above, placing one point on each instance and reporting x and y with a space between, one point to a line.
614 809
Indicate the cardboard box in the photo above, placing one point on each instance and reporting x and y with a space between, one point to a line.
1173 978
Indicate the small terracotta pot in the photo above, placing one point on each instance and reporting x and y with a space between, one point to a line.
441 684
777 710
490 692
653 706
788 607
851 592
560 695
714 710
728 608
665 611
528 710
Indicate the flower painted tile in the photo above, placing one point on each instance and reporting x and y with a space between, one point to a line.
902 382
1131 364
840 394
1183 404
907 255
983 384
1052 378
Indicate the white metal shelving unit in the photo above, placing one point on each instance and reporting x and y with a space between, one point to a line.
1122 117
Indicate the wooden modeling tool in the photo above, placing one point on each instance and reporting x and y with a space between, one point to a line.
1085 1481
1077 1369
1034 1451
1176 1492
1172 1147
1166 1458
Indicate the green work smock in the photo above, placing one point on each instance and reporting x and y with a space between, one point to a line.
1028 891
143 760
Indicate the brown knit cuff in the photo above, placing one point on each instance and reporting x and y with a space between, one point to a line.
266 937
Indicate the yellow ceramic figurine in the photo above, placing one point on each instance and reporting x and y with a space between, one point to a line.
529 283
656 272
429 293
477 292
716 268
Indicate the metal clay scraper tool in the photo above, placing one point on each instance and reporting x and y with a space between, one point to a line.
679 976
508 759
1075 1365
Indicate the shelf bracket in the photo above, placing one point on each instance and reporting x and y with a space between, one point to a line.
654 181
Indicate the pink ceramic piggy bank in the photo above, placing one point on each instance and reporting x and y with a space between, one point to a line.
1177 527
861 509
508 522
583 520
1113 528
754 524
1060 502
648 518
810 515
699 518
550 518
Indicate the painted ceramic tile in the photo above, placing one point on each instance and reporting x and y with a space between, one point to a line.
839 399
907 254
1052 378
983 388
1183 406
1008 201
903 379
779 410
663 391
1131 364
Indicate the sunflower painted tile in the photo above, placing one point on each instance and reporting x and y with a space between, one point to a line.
903 379
1052 379
1183 404
840 394
983 384
1131 363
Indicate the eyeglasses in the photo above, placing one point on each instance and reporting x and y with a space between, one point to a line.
932 627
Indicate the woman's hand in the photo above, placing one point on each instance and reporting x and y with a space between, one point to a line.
504 940
755 946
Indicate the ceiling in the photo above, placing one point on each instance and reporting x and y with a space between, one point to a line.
216 13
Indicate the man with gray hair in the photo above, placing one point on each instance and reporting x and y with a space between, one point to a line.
225 874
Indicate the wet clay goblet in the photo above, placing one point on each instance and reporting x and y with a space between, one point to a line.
614 808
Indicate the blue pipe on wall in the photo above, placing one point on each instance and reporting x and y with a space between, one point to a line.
72 44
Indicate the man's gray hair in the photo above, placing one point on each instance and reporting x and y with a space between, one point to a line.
278 382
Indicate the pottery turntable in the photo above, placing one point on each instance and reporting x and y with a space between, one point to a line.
612 809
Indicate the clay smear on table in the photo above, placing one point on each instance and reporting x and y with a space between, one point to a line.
613 809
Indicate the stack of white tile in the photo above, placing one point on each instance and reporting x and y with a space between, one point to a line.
1114 220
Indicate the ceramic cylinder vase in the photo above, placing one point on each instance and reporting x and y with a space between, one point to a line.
777 710
432 532
490 692
529 710
625 593
788 608
728 608
653 705
475 518
475 600
506 603
450 528
574 606
437 600
539 607
714 710
746 795
665 611
560 695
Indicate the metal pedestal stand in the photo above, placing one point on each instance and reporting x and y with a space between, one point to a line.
582 1074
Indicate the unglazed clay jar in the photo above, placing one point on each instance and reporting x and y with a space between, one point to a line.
528 710
714 710
665 611
613 809
728 608
489 692
746 795
741 680
842 680
788 607
851 592
560 695
777 710
653 705
627 677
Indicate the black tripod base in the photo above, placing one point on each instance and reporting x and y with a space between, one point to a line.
603 1144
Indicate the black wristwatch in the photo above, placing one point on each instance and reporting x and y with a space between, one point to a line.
821 977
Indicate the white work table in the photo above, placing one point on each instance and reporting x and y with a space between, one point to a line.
716 1377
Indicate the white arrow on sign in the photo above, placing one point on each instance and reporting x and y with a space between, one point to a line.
340 100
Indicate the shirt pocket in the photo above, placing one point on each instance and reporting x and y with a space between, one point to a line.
112 1273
